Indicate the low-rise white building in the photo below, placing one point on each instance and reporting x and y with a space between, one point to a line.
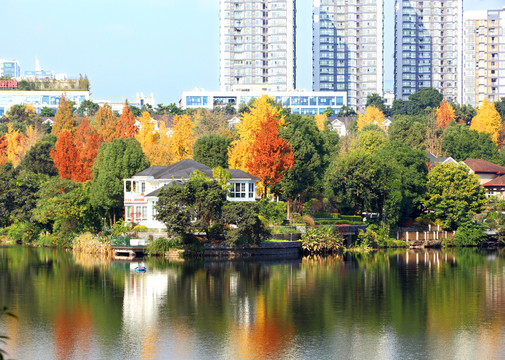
141 190
39 99
299 101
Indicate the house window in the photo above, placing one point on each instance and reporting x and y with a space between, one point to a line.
238 191
251 190
128 211
140 213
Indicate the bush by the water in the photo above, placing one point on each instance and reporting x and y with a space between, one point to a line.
377 237
25 232
249 229
324 239
467 235
89 244
121 227
162 245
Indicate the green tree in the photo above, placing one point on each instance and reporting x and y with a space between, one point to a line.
377 101
87 108
500 107
413 171
38 159
454 195
212 150
171 109
229 109
117 160
248 227
46 112
364 181
199 199
461 143
410 130
136 112
328 111
463 112
425 100
311 158
346 111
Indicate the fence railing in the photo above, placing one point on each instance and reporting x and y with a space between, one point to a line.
424 235
127 241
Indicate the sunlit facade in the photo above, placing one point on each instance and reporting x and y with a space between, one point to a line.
429 47
484 71
348 48
257 45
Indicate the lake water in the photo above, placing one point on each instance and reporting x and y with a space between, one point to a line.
381 305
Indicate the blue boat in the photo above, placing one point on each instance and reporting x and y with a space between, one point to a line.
140 269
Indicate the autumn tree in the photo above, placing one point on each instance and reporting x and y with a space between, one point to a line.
86 142
209 122
445 114
320 121
125 127
106 122
271 155
66 156
487 120
15 145
372 115
64 118
182 141
160 153
261 112
3 150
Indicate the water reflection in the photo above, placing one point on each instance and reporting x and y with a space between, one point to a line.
387 304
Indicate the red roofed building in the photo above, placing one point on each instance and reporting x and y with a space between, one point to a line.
492 176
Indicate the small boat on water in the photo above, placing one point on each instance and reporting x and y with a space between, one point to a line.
140 269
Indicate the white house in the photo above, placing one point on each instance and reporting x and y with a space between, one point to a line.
141 191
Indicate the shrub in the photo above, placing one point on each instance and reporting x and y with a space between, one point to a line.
467 235
273 212
322 240
162 245
23 231
249 228
327 216
46 240
338 222
120 228
377 237
89 244
140 228
307 219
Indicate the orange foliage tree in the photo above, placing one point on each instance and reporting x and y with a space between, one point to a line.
66 156
125 127
64 118
445 114
262 111
271 155
86 142
3 150
182 140
106 122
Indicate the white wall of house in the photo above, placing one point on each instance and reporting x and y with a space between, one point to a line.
139 208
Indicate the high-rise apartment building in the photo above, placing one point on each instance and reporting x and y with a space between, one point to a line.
348 48
257 45
429 47
484 56
9 68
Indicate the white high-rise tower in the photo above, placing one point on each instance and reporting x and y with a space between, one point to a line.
257 45
429 47
348 48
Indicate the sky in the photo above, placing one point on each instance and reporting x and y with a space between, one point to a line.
152 46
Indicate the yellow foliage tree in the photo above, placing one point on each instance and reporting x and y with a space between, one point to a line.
32 136
261 111
64 118
147 134
320 121
15 142
445 114
182 140
372 115
487 120
106 122
160 152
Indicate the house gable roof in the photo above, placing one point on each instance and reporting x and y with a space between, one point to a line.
483 166
184 168
434 160
496 182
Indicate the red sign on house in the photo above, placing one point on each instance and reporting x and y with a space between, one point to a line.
8 84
